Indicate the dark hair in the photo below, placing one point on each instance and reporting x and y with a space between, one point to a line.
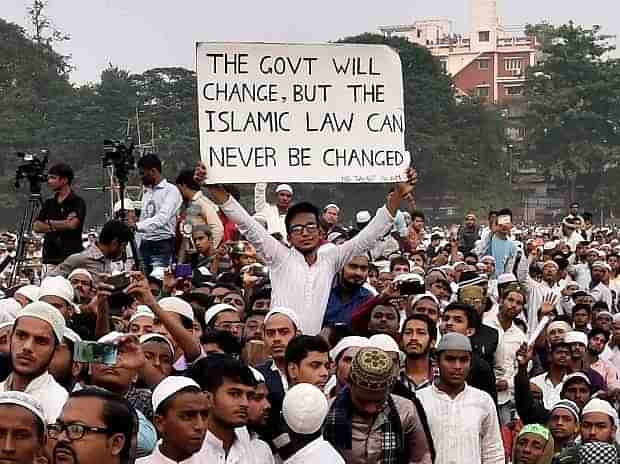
150 161
598 331
62 170
602 305
416 213
470 313
300 208
399 260
388 306
337 331
431 327
226 341
505 212
587 216
115 230
492 213
579 306
300 346
557 345
186 177
118 415
210 372
165 405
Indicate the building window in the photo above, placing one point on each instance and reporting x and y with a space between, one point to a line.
444 65
484 36
483 91
483 64
522 131
515 90
419 33
513 64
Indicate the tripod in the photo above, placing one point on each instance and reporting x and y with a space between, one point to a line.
24 233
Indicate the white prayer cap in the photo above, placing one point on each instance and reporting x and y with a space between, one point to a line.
216 309
601 264
168 387
142 311
552 263
175 304
348 342
72 336
616 317
29 291
576 337
45 312
421 296
557 325
605 313
286 312
158 273
111 337
597 405
80 271
488 258
362 217
24 400
9 307
332 205
304 408
260 378
7 324
284 188
549 246
59 287
129 205
384 342
157 337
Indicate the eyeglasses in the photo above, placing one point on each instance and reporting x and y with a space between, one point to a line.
311 228
74 431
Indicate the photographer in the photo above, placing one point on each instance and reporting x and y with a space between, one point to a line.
61 218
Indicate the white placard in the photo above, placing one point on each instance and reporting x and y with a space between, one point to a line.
300 112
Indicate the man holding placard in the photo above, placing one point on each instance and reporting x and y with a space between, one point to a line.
302 275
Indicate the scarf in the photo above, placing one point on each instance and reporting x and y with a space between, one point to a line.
338 429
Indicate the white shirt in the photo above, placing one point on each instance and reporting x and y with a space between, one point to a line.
601 292
158 458
49 393
158 216
551 393
536 294
506 356
271 213
295 284
317 451
213 452
464 429
261 451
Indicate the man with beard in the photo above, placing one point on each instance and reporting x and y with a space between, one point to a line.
462 419
307 361
469 234
37 332
598 285
181 421
259 409
95 426
342 355
418 336
348 291
274 214
511 303
564 425
597 340
82 282
486 338
97 259
551 382
158 215
63 368
384 319
367 424
229 385
22 428
302 275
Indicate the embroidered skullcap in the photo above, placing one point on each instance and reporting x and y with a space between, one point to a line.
536 429
372 369
24 400
80 271
598 405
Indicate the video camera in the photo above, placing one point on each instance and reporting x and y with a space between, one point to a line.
33 169
117 154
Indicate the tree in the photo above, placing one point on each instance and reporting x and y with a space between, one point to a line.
573 117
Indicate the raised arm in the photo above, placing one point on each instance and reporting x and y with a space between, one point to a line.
260 196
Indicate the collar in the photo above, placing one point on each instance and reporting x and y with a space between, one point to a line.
162 183
444 395
158 456
197 195
38 383
213 441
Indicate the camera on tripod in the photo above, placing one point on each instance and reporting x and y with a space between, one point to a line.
33 169
119 155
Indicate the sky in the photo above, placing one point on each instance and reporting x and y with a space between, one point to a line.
141 34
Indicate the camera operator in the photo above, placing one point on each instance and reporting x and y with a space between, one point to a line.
158 217
61 218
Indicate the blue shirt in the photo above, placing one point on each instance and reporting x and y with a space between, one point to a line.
338 310
500 250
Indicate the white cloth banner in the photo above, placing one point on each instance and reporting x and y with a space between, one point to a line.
301 113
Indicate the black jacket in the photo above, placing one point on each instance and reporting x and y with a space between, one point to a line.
484 342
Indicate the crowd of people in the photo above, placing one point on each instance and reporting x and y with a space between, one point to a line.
280 335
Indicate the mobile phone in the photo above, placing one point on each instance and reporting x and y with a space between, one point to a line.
119 281
258 270
95 352
503 219
183 271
